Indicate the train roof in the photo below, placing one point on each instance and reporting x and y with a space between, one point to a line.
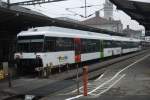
54 31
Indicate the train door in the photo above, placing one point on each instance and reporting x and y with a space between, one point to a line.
77 47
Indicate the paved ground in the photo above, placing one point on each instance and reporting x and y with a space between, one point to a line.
21 86
127 80
122 81
136 81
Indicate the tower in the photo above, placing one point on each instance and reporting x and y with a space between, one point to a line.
108 10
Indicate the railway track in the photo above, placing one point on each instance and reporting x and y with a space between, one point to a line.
102 66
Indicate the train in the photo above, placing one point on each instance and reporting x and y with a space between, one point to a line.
52 46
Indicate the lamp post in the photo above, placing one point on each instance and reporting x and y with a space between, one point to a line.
9 78
85 10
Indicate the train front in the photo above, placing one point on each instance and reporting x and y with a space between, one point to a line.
29 53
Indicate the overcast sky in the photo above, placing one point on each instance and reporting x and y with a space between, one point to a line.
58 9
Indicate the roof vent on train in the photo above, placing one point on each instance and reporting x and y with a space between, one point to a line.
33 29
45 28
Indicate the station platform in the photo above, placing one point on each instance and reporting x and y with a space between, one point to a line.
126 80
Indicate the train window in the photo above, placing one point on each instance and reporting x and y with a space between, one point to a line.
23 47
118 43
96 45
128 45
30 46
114 44
107 44
36 46
90 45
132 44
69 45
64 44
50 44
124 44
84 46
30 43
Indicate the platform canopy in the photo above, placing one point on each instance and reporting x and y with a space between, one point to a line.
16 19
139 11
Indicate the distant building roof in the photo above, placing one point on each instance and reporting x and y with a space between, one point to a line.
97 20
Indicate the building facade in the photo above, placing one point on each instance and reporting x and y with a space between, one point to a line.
107 22
132 33
103 23
108 10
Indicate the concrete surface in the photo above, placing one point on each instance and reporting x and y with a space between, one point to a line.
126 80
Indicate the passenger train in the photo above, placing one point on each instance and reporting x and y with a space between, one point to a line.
54 46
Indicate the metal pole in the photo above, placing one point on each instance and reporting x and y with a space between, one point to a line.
9 78
59 68
8 3
50 69
77 79
67 67
9 64
85 9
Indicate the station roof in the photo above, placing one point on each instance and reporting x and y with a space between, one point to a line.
139 11
15 19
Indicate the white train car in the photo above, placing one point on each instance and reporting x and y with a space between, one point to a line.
46 46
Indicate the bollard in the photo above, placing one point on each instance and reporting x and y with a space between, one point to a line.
85 80
67 67
9 78
50 68
59 68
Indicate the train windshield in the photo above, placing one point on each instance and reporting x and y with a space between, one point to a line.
30 44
